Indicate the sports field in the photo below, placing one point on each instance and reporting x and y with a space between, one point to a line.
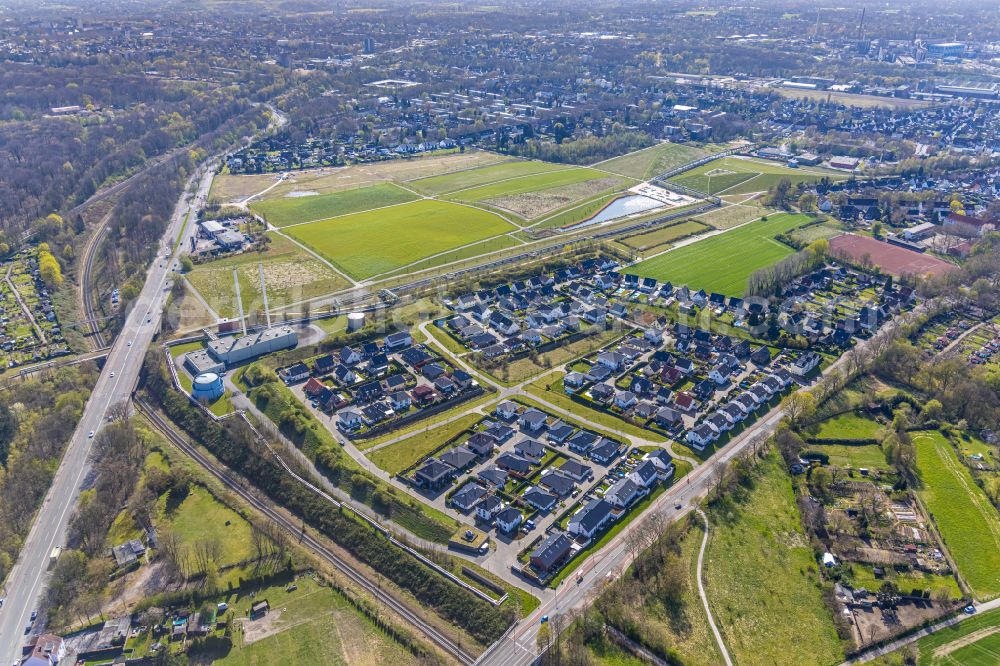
723 262
732 175
295 210
375 242
969 524
892 259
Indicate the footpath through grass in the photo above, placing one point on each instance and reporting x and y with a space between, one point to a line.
762 581
975 641
969 524
723 262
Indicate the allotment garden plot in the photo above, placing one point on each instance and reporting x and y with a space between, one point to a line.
370 243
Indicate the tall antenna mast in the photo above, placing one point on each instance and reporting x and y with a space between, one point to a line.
263 288
239 302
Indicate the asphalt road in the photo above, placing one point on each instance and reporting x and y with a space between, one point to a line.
518 647
27 581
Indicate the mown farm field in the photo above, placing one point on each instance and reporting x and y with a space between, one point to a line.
370 243
723 262
731 175
969 524
298 209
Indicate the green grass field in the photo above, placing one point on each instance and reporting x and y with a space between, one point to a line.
869 456
648 162
761 578
404 453
460 180
728 217
295 210
967 521
200 517
659 237
529 183
291 273
973 642
375 242
310 625
483 247
730 175
723 262
847 426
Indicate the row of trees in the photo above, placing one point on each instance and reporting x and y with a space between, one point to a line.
37 418
236 446
770 280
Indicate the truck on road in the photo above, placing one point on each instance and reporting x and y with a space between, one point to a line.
54 556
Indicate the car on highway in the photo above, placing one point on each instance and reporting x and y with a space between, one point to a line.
34 614
545 618
678 506
129 343
969 610
112 374
90 435
2 599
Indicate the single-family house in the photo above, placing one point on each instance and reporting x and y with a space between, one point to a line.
590 518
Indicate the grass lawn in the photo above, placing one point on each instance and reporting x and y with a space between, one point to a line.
847 426
958 644
728 217
869 456
461 180
523 368
969 524
200 517
723 262
761 578
495 244
648 162
397 457
291 273
651 239
293 210
731 175
367 244
311 625
530 183
862 575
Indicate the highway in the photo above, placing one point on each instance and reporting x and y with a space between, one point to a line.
27 580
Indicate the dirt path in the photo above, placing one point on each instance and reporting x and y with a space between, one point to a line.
948 648
704 596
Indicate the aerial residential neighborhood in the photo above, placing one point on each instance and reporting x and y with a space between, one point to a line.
568 334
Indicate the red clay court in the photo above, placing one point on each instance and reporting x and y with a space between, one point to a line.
892 259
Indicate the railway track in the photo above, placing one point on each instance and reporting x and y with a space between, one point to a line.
358 578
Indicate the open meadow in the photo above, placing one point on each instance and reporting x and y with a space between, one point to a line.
761 577
969 524
370 243
723 262
227 188
291 274
648 162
